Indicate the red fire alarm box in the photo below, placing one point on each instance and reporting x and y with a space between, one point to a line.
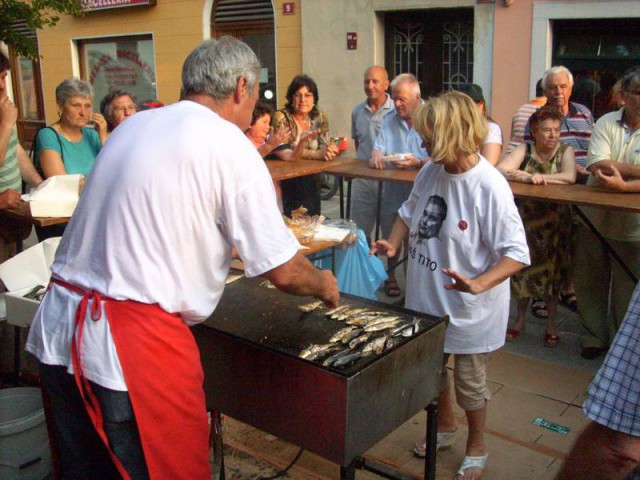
352 41
288 8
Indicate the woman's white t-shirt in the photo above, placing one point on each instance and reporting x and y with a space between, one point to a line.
469 222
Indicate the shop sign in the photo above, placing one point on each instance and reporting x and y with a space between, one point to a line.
128 71
96 5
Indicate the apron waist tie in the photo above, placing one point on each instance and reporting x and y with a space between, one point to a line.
93 300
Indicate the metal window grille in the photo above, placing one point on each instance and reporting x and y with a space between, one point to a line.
457 54
408 44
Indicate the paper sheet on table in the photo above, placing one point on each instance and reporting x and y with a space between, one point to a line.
57 196
330 234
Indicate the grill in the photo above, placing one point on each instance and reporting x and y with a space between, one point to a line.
249 349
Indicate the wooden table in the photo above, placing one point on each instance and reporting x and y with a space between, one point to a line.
23 213
575 195
281 170
579 195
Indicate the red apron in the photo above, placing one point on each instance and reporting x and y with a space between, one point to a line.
163 372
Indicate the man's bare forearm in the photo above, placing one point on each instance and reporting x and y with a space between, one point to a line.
298 276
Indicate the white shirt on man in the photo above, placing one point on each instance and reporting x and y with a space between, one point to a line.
482 225
171 193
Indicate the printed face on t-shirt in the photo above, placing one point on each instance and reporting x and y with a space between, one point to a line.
432 218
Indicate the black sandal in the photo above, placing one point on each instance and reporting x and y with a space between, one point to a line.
569 301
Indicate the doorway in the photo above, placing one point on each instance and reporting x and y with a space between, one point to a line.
436 45
253 23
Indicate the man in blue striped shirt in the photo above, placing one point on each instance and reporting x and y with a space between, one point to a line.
609 447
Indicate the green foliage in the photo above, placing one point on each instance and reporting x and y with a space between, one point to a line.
37 14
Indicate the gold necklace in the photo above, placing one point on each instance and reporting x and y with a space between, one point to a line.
63 133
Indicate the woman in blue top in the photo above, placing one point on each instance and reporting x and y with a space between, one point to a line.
68 146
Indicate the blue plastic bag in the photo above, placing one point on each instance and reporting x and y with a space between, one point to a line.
357 272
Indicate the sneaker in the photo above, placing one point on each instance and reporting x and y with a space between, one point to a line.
444 440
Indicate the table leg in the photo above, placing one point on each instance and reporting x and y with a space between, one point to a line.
349 181
432 441
341 189
606 245
378 211
333 260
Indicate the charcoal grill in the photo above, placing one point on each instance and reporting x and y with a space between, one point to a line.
249 349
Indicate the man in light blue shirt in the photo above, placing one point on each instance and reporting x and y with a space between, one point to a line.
366 120
397 136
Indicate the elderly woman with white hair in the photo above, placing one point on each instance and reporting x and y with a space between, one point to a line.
465 240
69 145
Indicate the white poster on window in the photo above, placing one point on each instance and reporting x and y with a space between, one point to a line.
122 64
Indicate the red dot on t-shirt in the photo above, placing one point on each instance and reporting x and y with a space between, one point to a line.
462 225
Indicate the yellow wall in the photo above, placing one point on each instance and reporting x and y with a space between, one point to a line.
288 47
177 27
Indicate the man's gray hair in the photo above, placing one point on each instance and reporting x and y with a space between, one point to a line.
406 78
72 87
214 66
631 76
555 71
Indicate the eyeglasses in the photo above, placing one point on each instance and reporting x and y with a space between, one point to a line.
125 108
303 96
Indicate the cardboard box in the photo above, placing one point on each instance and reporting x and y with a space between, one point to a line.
21 274
57 196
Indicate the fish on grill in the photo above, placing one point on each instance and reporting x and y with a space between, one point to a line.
310 307
316 351
340 334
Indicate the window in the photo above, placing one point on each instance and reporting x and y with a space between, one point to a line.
436 45
120 63
597 52
252 22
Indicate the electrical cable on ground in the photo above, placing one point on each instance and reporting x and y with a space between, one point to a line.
282 473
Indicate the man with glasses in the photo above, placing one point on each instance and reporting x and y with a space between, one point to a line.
603 287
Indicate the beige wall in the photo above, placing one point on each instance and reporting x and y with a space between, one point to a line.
511 71
339 72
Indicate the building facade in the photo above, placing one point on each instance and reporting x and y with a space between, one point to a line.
502 45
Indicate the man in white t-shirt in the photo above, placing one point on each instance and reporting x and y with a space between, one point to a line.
145 255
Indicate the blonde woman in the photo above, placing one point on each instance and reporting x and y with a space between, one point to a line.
465 240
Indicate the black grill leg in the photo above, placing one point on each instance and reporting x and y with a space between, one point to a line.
348 472
432 441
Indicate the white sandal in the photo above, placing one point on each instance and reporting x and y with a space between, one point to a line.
444 440
470 462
